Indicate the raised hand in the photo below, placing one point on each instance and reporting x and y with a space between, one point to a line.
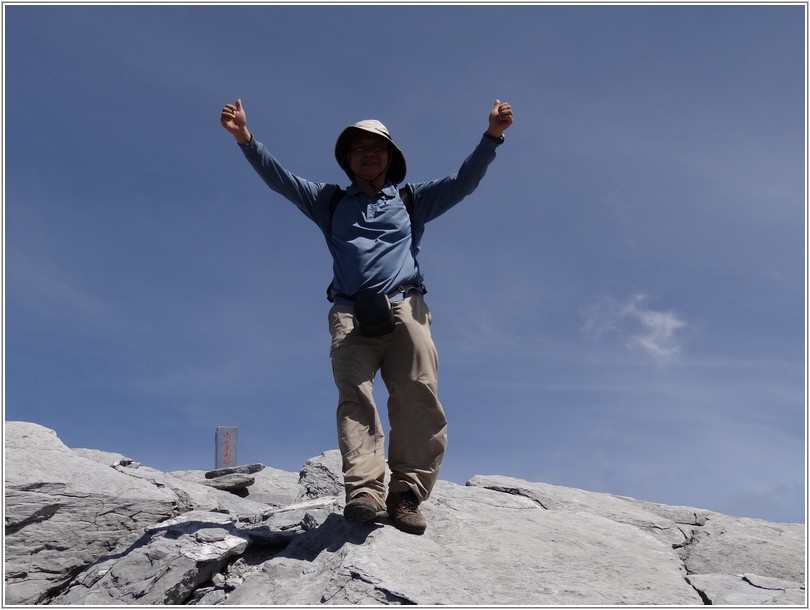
500 118
234 119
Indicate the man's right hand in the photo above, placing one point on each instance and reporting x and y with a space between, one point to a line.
234 120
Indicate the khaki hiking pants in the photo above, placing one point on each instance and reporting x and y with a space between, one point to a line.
408 363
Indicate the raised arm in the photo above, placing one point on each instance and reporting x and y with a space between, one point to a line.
308 196
234 120
432 199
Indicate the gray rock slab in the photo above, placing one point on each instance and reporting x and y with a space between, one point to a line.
709 543
246 469
323 475
271 486
107 458
63 511
671 525
88 527
276 487
481 547
192 495
737 545
164 565
231 482
748 590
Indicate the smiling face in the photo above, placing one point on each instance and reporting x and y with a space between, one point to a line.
368 157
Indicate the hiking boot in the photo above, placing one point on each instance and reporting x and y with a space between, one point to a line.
403 508
361 508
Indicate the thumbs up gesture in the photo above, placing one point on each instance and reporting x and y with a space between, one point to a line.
500 118
234 119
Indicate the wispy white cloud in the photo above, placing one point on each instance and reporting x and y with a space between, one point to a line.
653 332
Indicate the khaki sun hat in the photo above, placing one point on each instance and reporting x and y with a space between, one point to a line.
396 168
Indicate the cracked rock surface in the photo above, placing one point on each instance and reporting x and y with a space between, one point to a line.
86 527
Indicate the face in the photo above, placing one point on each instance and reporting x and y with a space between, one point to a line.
368 156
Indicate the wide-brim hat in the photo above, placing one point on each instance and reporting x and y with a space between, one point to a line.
396 168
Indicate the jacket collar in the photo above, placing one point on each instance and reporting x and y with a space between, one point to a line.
389 191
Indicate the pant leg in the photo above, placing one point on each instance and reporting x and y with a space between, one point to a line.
418 437
361 439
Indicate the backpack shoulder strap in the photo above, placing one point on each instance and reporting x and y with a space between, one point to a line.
407 198
334 200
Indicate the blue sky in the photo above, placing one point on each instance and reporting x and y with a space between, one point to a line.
619 307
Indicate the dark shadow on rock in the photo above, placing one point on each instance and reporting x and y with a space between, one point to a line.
330 536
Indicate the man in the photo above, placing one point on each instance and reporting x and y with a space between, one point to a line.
379 320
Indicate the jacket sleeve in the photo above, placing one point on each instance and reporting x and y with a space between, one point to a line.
312 198
432 199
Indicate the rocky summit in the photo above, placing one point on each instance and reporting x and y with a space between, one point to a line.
90 527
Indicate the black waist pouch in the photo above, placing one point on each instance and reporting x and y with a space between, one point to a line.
374 314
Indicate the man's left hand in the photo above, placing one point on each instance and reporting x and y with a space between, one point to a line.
500 119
